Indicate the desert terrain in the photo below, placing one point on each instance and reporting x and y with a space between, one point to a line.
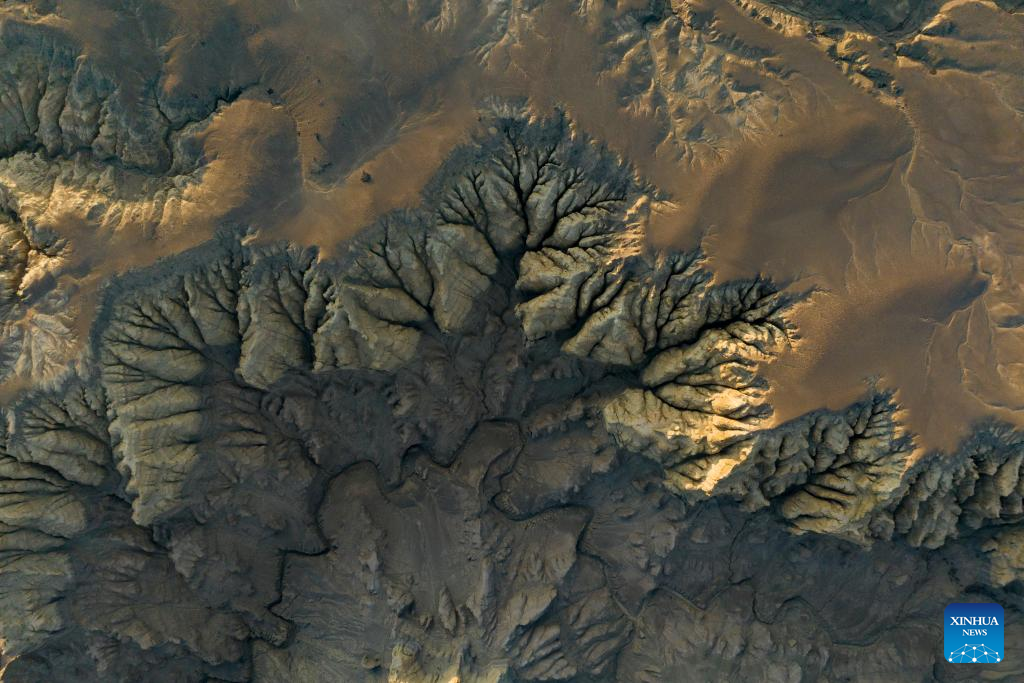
446 341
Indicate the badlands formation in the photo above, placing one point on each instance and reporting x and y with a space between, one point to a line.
518 341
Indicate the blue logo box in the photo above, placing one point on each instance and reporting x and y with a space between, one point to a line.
973 633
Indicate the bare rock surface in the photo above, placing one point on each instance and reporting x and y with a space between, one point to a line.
500 438
696 355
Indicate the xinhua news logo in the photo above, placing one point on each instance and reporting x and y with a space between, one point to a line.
973 633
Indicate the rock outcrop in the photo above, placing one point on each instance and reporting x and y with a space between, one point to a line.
501 438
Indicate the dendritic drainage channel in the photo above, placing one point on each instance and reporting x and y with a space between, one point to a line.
501 439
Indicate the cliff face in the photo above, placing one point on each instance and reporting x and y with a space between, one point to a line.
500 438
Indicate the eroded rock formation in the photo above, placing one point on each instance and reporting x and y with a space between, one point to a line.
502 438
